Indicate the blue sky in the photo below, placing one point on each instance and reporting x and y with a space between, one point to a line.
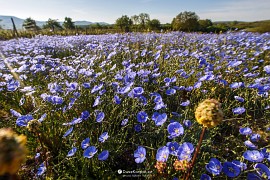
109 10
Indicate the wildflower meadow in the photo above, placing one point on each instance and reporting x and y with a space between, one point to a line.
136 105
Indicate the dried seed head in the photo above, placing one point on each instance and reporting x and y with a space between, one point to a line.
13 151
209 113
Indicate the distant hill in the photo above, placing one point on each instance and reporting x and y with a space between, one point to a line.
7 24
255 26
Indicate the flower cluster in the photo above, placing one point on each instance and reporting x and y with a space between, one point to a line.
120 98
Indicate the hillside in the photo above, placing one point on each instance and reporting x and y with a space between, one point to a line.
256 26
6 23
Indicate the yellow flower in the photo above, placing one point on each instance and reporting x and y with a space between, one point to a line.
160 166
181 165
209 113
13 151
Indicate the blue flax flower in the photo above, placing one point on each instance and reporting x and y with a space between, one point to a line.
175 129
239 110
189 88
262 170
41 119
140 154
167 80
71 103
97 101
55 100
205 177
163 154
197 85
267 69
99 116
137 91
41 169
184 151
170 91
237 85
71 86
266 154
186 103
97 88
159 119
86 85
68 132
187 148
142 116
173 148
13 85
15 113
245 131
90 152
253 156
138 127
23 120
117 99
187 123
214 166
103 137
159 106
231 170
85 115
85 143
155 116
250 145
255 137
124 122
72 152
238 98
234 63
103 91
103 155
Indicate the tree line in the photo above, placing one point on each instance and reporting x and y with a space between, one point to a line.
185 21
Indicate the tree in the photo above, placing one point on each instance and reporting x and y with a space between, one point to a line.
30 24
135 19
52 24
68 23
143 19
124 23
154 24
205 24
186 21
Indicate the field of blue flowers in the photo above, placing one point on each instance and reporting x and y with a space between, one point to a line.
123 105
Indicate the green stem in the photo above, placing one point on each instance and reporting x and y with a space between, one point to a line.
195 154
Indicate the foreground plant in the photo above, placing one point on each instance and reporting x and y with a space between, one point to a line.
13 151
209 114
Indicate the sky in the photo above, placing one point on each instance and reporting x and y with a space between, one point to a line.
109 10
